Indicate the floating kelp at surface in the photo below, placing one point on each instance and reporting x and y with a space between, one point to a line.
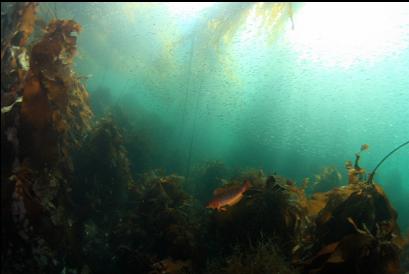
223 21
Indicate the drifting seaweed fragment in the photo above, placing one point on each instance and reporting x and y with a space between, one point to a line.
364 147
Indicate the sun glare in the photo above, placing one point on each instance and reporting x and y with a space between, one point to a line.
186 9
340 34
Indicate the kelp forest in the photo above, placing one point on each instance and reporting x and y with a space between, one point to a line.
89 186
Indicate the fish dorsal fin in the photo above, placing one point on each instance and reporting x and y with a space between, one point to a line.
220 191
225 189
224 182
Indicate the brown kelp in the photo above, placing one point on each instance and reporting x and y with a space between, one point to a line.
275 208
100 188
225 20
41 131
354 233
54 109
348 229
161 230
328 178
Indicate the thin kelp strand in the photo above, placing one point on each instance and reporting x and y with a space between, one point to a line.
189 159
372 174
187 90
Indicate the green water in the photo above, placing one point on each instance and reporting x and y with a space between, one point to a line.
294 105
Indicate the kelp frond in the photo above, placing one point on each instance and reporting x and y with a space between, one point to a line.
224 21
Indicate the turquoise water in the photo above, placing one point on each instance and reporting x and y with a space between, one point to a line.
294 105
307 100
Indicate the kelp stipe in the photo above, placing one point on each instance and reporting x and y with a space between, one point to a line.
372 174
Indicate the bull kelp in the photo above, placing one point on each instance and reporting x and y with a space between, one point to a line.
204 138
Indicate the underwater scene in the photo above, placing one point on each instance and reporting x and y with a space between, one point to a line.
208 138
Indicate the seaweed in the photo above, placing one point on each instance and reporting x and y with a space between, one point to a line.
17 26
161 233
48 117
226 20
263 257
273 209
73 200
355 172
55 111
355 229
102 180
404 256
206 178
327 179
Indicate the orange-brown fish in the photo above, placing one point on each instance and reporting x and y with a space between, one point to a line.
229 196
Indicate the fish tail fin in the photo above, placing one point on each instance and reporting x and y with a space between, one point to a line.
246 185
